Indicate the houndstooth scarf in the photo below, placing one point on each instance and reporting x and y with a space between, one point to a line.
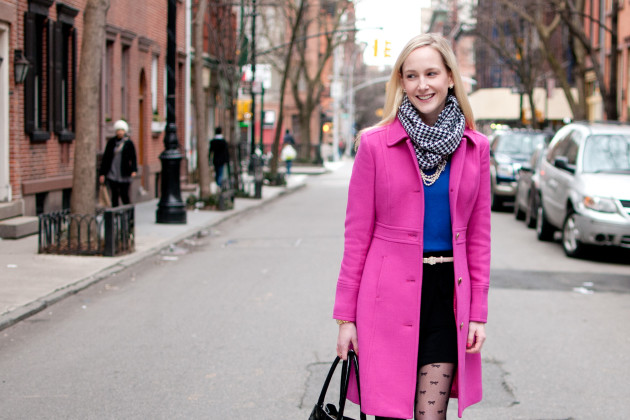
433 144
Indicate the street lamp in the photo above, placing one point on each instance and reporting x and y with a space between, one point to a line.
20 67
171 209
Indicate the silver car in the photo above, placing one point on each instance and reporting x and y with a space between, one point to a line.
585 187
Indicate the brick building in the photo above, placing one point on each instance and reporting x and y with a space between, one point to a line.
597 21
37 116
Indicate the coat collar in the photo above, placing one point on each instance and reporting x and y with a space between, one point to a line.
396 133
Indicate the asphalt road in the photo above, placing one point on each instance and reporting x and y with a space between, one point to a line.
236 323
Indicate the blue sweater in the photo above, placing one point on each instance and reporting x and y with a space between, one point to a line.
437 213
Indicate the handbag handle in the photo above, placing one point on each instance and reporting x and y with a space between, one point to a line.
345 380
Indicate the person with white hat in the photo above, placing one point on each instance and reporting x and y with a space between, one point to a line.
119 165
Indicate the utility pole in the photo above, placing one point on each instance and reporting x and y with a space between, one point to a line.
171 209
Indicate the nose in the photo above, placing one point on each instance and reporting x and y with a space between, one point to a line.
422 83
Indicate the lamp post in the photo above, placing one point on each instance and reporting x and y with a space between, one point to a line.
171 209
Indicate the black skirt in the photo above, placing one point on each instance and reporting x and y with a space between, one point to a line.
438 332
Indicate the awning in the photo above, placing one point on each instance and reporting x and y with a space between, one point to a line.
503 104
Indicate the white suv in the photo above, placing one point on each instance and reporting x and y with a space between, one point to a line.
585 187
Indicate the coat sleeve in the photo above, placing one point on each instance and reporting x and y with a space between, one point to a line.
359 227
106 160
133 160
478 239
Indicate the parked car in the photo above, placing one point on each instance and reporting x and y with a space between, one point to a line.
508 150
528 188
585 187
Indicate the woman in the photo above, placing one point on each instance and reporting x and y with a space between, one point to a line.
119 164
413 286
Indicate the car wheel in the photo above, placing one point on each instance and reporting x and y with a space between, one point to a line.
530 211
519 214
496 203
544 229
570 234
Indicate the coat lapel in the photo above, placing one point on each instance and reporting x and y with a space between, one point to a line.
457 167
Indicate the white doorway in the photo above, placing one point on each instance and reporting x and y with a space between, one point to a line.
5 185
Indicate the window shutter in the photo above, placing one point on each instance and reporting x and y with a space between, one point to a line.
72 70
57 72
30 38
50 76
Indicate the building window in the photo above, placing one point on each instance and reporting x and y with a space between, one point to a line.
38 88
154 85
124 90
65 72
109 80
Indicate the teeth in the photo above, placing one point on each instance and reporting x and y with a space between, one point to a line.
424 97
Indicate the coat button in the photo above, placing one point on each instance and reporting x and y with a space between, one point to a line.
459 281
461 325
457 235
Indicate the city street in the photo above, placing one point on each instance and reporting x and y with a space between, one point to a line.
236 323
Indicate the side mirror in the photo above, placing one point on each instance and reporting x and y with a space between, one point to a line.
562 162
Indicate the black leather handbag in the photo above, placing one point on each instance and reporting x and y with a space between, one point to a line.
329 411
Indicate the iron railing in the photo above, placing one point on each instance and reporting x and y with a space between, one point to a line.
108 233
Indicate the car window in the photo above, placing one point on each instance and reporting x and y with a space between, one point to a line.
572 148
559 148
514 144
607 153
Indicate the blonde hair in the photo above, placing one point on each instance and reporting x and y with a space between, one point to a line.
394 89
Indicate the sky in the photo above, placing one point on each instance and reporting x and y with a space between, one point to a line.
400 20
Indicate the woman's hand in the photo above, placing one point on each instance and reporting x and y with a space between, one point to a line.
347 336
476 337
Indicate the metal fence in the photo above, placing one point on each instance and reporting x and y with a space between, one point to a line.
108 233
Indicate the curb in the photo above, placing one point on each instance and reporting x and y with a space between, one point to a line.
21 313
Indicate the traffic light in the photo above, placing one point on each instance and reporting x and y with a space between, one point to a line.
326 127
243 109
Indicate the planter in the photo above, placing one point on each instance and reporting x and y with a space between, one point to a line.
157 126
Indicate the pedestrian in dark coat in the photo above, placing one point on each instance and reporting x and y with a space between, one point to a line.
219 154
119 165
412 293
288 138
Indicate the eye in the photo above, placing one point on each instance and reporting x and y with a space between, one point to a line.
410 76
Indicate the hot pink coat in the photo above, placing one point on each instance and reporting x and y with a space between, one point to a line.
380 281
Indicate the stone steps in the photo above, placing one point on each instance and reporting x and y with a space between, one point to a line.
19 227
13 224
9 210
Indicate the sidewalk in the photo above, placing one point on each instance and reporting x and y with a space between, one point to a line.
30 282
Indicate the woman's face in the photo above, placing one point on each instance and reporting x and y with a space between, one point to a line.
426 80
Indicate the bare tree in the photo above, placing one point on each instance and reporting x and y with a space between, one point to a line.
226 56
287 63
316 39
515 43
546 21
199 94
87 109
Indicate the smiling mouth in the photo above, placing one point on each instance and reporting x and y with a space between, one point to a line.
425 97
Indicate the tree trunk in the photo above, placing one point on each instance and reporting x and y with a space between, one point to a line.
203 164
83 200
305 133
610 102
287 64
